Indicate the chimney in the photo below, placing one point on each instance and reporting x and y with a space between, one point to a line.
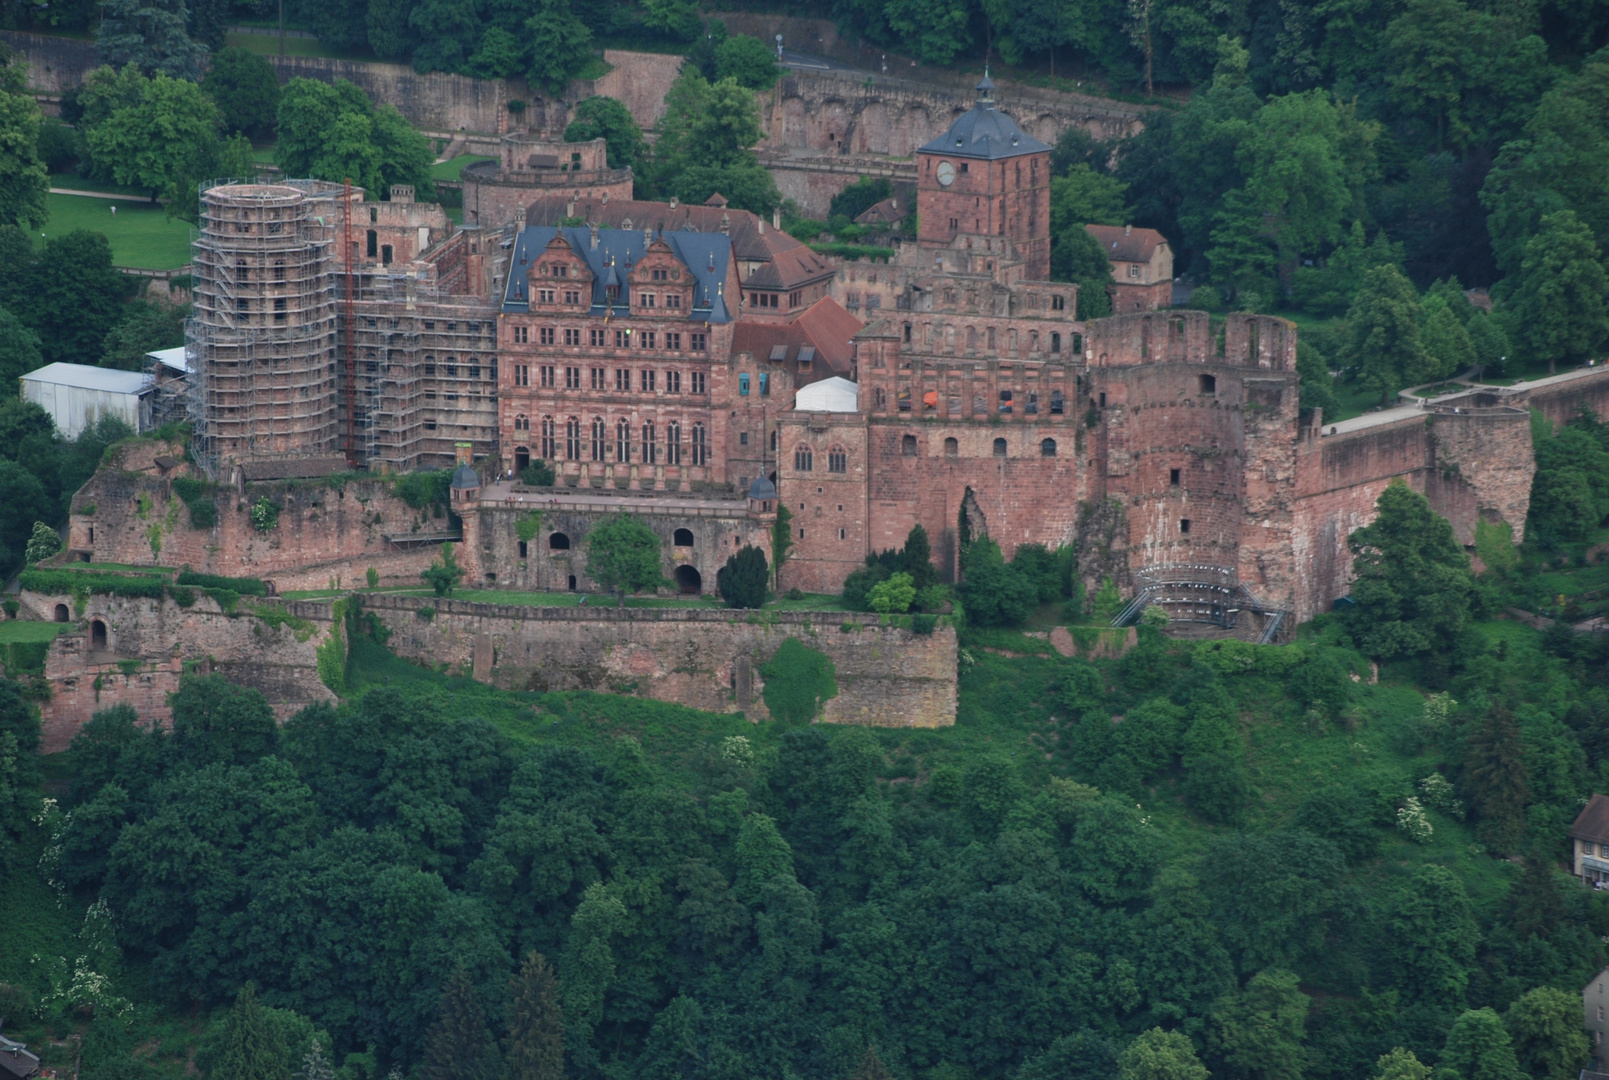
569 209
592 228
1127 229
726 222
776 219
673 202
761 222
647 237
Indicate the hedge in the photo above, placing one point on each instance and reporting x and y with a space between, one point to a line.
72 581
244 586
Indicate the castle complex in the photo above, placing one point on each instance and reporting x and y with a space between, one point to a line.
698 367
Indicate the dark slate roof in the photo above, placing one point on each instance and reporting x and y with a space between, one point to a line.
16 1060
1593 821
983 131
291 468
465 477
705 255
762 489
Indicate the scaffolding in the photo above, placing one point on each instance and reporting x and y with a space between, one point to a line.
262 337
300 350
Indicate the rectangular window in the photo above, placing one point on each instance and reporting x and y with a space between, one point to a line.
765 384
673 341
1173 477
673 382
572 337
1184 525
547 376
645 299
697 382
597 378
622 338
572 378
673 300
1005 401
1058 303
544 296
647 339
547 335
699 342
648 382
596 338
743 384
572 297
522 335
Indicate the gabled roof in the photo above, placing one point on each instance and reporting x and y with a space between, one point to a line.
821 336
16 1060
833 395
291 468
705 256
790 267
1125 243
1593 821
983 131
85 377
174 358
748 243
887 212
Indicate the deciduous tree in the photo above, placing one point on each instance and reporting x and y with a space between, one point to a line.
244 87
624 554
1160 1055
1545 1027
1478 1048
608 119
1562 291
1413 582
23 181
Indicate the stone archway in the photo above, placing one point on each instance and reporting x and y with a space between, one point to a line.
689 582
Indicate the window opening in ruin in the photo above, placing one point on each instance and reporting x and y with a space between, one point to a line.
774 437
61 612
743 438
837 460
558 542
1058 404
682 538
1058 303
374 214
688 581
907 445
385 254
572 583
522 458
1173 477
952 448
1005 401
97 635
903 398
374 243
1184 525
1047 448
804 459
843 534
765 384
549 438
1209 384
1103 399
907 334
523 547
1055 340
1000 448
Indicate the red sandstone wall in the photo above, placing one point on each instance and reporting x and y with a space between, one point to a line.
323 531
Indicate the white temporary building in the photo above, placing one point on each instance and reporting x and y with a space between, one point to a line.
834 395
76 396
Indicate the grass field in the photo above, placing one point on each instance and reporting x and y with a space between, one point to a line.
142 235
454 169
268 45
14 630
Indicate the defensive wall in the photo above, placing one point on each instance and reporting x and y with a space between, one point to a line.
135 651
706 659
325 530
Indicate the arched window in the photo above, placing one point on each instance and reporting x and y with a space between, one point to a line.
522 423
572 439
623 441
558 542
907 445
683 538
837 460
951 447
673 443
804 459
97 635
1047 448
549 441
699 454
1000 448
597 438
650 448
61 612
880 398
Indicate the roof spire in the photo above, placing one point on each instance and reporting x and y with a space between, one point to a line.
986 90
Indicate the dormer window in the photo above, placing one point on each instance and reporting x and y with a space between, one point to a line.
661 275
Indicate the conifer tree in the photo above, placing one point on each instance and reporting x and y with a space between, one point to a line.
316 1066
1496 780
871 1067
252 1049
459 1045
535 1041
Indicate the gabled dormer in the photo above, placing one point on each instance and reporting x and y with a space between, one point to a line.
560 279
660 284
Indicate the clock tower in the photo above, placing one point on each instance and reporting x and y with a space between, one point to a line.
986 177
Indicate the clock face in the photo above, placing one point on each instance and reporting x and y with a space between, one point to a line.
946 173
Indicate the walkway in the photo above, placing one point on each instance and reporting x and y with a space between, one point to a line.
1419 404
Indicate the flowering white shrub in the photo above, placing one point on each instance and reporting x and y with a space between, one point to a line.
1412 822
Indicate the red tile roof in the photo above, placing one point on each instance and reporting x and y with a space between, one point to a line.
1593 821
825 327
1124 243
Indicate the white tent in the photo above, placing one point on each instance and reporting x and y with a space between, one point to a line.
76 396
834 395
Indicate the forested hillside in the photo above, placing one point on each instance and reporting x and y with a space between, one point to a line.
1254 860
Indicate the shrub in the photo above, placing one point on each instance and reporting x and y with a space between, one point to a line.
1207 298
923 624
743 579
425 489
1412 822
445 573
798 682
243 586
537 474
372 577
264 516
892 597
858 586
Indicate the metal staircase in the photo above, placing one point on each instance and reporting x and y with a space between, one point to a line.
1208 595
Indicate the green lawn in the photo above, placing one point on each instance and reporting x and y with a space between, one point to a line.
142 235
84 183
268 45
454 169
807 602
14 630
